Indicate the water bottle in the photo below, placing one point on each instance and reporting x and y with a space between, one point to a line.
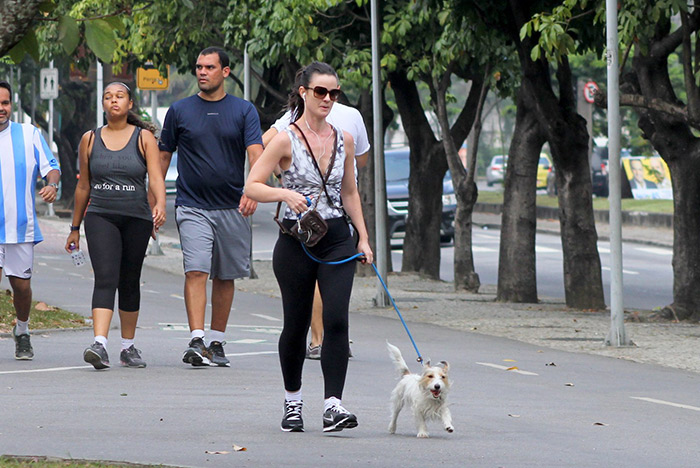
77 255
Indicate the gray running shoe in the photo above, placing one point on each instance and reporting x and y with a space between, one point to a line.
292 422
313 352
218 357
131 357
23 346
96 355
338 418
197 353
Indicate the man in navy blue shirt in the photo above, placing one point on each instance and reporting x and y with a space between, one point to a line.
211 131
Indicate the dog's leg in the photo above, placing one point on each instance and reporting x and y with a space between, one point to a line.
447 419
422 426
396 405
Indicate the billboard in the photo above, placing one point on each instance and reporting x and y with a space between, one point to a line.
649 177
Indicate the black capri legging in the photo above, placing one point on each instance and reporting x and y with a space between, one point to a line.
297 275
117 245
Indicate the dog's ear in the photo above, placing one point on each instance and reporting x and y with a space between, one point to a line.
445 365
426 363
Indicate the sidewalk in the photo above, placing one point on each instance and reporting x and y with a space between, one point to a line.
547 324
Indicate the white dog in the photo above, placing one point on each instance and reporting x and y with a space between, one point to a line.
425 393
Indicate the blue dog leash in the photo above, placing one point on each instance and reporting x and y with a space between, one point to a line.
381 280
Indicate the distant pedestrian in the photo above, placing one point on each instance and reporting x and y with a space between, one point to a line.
211 132
310 147
348 119
114 162
24 155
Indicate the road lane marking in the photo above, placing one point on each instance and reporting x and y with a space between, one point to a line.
540 249
476 248
505 368
251 354
52 369
627 272
603 250
267 317
667 403
255 252
655 250
150 291
245 341
177 297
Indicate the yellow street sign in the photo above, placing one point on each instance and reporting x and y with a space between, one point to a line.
150 79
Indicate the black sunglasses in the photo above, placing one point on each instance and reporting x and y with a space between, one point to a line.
320 93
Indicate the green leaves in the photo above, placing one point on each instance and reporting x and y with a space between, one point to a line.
28 45
99 36
68 33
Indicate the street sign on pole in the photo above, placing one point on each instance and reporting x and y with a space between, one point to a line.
48 85
589 90
149 78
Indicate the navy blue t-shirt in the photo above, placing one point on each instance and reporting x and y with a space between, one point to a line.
211 138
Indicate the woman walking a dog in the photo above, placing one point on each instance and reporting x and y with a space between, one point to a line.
304 151
114 161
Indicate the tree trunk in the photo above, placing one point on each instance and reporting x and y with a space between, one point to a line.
366 179
428 166
16 18
677 144
517 274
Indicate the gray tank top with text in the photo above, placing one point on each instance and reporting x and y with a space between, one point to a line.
118 179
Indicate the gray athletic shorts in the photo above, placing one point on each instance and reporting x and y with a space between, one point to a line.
214 241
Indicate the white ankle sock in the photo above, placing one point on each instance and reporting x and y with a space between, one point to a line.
215 335
196 334
22 328
126 344
329 403
102 340
292 396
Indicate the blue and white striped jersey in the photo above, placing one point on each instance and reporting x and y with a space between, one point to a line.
24 155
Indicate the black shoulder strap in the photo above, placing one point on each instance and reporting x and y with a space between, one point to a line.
142 145
325 178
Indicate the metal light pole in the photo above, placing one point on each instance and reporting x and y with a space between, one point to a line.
617 335
246 96
99 120
381 300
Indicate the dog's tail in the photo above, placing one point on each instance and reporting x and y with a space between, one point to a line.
399 363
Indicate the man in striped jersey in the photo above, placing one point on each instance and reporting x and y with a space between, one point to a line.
23 155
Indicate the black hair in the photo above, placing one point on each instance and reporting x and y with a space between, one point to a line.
6 85
223 56
132 117
303 78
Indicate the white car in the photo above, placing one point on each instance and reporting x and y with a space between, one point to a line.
496 170
171 176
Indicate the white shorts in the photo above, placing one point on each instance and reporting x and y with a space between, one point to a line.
17 259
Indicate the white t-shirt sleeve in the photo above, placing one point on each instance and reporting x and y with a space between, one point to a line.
360 135
283 122
44 156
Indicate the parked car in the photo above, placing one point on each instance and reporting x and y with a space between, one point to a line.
171 176
397 171
496 170
543 168
599 171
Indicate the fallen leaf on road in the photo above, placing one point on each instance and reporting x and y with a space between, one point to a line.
513 368
238 448
551 364
568 384
217 452
509 360
514 415
43 306
600 424
122 394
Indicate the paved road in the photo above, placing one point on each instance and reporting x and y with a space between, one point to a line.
582 411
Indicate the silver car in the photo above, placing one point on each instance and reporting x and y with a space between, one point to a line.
495 172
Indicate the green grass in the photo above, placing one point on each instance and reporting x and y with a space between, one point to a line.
628 204
43 317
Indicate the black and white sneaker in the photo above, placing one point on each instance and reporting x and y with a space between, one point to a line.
292 422
96 355
218 356
23 346
197 353
338 418
131 357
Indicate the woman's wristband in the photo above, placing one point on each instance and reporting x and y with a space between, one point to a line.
74 228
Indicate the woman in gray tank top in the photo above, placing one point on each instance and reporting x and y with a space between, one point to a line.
111 196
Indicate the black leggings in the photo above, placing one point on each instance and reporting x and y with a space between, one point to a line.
297 275
117 245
